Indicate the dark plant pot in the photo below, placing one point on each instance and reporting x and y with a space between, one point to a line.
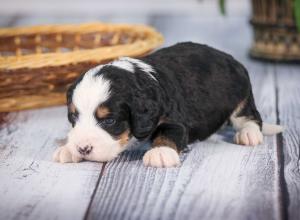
275 34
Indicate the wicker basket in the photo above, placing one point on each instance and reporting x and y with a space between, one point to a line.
37 64
275 33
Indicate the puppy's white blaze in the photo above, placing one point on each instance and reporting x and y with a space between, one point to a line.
144 66
91 92
88 95
123 64
140 64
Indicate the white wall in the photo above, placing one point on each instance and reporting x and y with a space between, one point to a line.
104 7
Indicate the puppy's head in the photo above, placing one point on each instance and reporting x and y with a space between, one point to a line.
107 106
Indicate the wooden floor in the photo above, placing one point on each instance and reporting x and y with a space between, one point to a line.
217 179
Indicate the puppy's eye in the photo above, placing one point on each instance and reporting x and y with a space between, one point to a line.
108 121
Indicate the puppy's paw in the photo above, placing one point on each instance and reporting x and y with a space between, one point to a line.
63 155
249 136
161 157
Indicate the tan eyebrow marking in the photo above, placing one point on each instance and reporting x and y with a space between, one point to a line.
164 141
102 112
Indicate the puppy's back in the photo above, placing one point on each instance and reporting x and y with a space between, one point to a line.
206 83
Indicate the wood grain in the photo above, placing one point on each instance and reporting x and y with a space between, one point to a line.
32 186
217 179
289 115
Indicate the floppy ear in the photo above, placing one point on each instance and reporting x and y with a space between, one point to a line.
71 88
69 94
144 116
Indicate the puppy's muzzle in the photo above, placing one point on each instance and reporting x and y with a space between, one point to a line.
85 150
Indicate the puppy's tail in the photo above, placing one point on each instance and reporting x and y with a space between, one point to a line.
271 129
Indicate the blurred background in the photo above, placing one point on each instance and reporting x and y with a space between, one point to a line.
224 25
177 20
103 7
273 22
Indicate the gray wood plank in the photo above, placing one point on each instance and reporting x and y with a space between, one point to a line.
217 179
289 115
32 186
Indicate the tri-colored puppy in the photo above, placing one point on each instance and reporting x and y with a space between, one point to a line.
173 97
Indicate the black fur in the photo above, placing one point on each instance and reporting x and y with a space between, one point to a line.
174 132
196 91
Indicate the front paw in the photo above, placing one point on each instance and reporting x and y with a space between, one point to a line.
249 136
63 155
163 156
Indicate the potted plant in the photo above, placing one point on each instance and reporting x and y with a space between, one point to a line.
276 25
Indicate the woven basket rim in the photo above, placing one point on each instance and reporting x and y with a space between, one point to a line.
139 47
69 28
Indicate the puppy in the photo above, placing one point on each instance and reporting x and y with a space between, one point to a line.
173 97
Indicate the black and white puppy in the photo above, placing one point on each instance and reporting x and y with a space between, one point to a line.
173 97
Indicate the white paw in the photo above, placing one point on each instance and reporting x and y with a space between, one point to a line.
161 157
63 155
249 136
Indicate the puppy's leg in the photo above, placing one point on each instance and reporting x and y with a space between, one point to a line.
63 155
167 141
247 121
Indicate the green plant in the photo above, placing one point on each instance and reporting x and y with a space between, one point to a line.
296 6
222 6
297 13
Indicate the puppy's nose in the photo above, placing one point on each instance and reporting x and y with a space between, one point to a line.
85 150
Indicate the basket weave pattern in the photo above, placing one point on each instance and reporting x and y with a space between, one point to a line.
275 32
37 64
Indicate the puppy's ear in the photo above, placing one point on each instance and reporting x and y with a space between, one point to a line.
71 88
144 116
69 94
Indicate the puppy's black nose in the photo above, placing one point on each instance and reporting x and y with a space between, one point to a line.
85 150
